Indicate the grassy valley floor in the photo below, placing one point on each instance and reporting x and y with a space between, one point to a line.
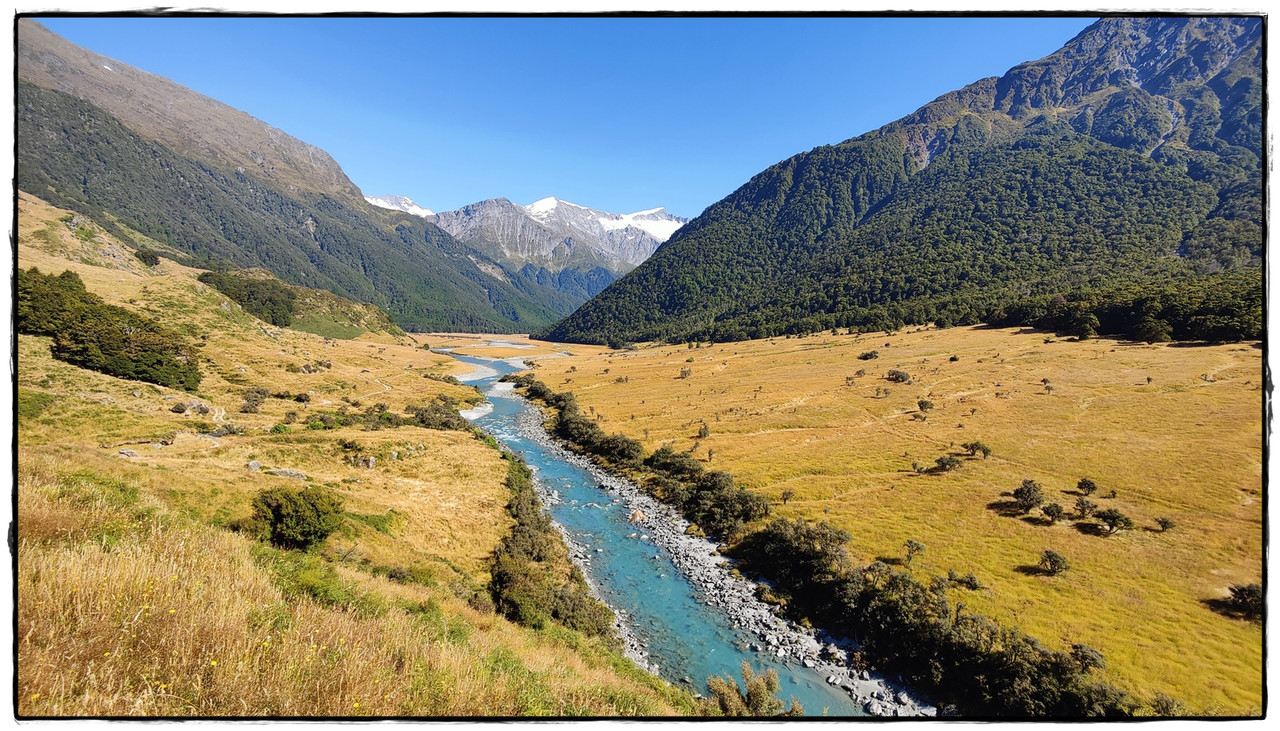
1174 430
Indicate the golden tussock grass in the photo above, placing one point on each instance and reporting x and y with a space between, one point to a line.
134 600
792 414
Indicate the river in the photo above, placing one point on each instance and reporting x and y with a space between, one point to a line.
669 621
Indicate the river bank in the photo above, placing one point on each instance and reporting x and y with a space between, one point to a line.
699 561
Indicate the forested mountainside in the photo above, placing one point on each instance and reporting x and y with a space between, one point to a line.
100 138
1129 157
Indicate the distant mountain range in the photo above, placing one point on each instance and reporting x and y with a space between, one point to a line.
218 188
554 243
1131 156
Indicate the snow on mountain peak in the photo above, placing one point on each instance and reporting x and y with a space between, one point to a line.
399 203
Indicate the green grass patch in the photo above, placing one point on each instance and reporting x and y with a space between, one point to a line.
381 522
300 574
327 328
32 403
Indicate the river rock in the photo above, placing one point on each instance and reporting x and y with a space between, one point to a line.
253 466
128 453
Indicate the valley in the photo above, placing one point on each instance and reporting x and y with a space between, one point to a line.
962 416
137 597
1175 432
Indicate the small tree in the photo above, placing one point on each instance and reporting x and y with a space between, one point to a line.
1165 524
757 700
1085 507
787 495
924 404
974 447
1114 520
898 376
1028 496
914 548
1053 512
1053 562
704 431
1087 486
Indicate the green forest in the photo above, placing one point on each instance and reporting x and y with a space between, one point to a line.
91 334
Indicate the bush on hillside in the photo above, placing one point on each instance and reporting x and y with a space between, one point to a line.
297 518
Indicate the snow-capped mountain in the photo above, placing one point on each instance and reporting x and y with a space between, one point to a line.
398 203
557 234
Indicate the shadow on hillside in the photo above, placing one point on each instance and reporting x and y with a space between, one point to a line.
1037 520
1007 508
1092 529
1225 608
1030 570
892 561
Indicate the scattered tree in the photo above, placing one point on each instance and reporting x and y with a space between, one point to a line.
974 447
1053 562
1114 520
914 548
898 376
787 495
1085 507
1165 524
924 404
1087 486
704 431
1028 496
1053 512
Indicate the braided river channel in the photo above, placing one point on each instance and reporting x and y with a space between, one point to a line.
673 621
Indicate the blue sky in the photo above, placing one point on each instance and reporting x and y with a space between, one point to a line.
619 114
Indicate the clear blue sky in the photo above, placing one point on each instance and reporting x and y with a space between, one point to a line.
619 114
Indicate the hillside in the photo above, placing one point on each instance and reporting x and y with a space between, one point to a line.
1129 156
143 589
100 138
816 426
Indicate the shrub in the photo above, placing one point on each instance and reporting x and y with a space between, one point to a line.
1165 524
1087 486
924 404
298 518
869 355
1053 512
946 463
147 256
1246 599
755 698
974 447
914 548
898 376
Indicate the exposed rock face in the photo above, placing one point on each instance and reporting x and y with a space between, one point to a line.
555 243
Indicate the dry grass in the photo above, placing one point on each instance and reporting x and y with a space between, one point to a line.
1187 445
136 613
105 628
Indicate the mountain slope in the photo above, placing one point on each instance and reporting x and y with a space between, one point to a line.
181 178
571 248
1005 187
